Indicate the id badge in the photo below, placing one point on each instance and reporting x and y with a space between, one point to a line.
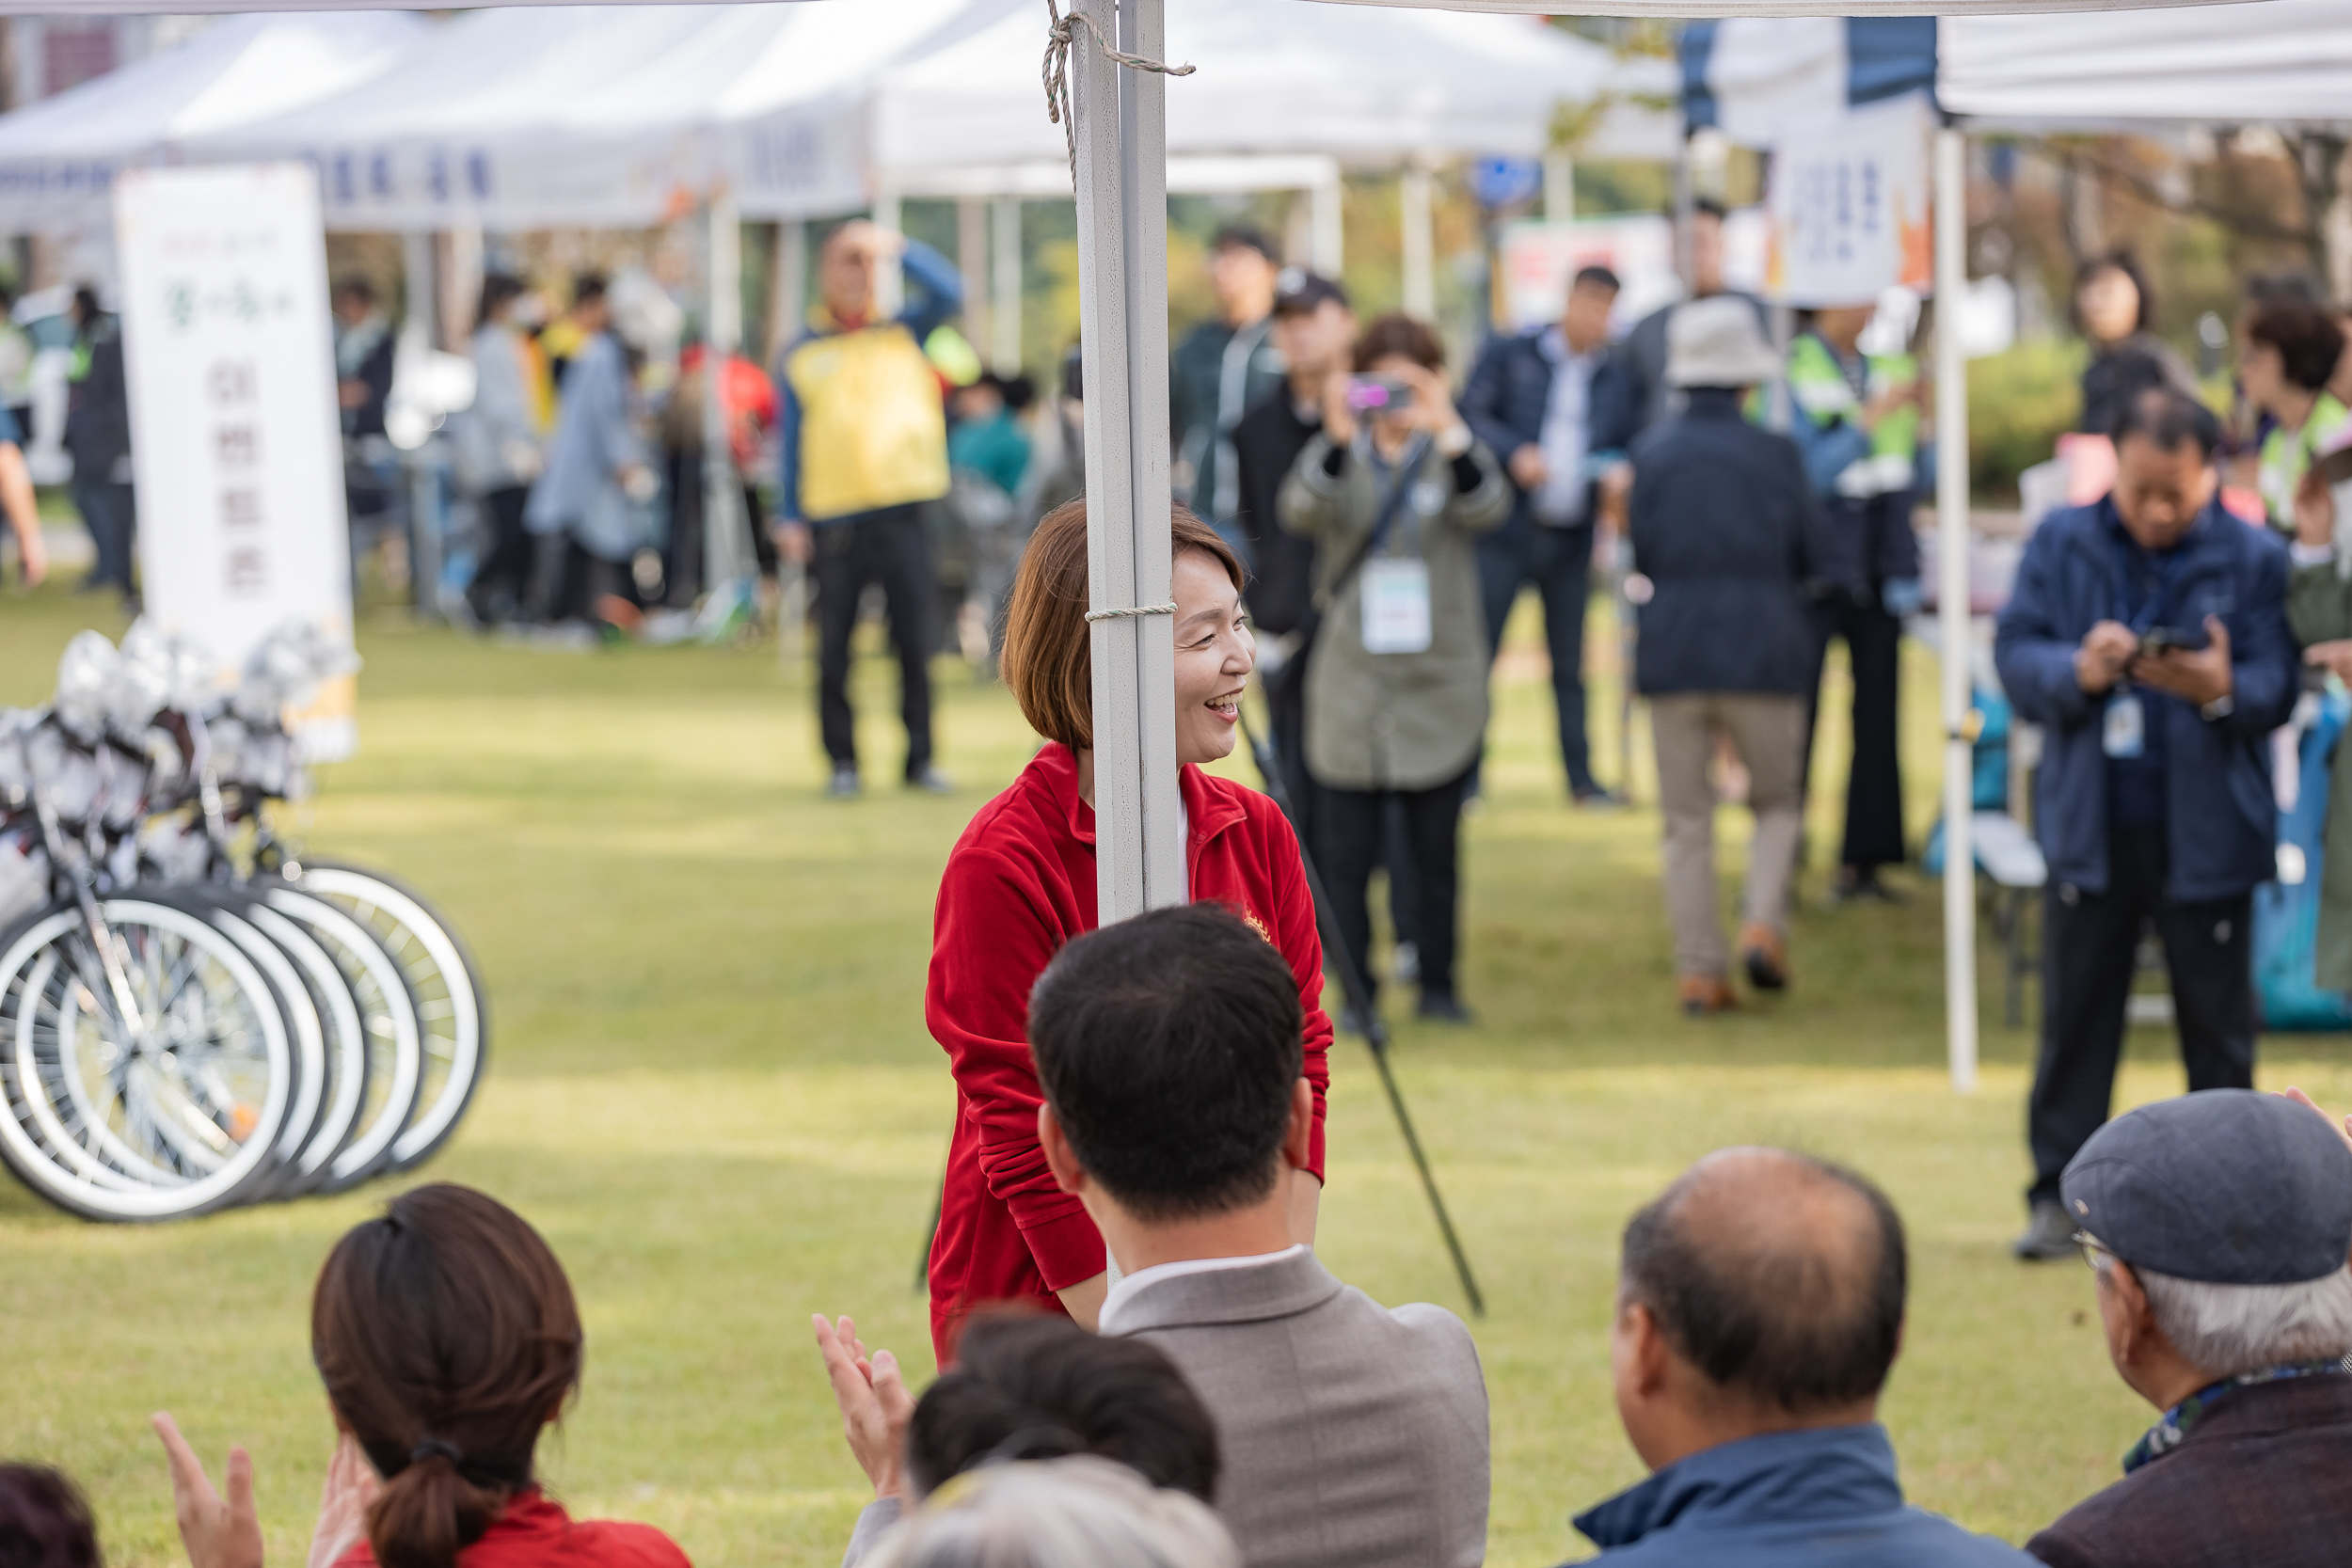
2123 733
1396 606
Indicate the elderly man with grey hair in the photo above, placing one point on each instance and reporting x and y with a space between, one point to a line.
2218 1225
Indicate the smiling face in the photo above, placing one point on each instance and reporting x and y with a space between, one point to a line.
1215 654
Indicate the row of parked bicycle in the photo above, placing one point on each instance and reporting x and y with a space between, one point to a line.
192 1014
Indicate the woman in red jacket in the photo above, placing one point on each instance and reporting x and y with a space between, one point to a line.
1021 883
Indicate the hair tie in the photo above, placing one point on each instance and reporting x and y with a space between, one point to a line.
427 1446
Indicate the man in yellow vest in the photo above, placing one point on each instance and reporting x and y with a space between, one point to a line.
864 445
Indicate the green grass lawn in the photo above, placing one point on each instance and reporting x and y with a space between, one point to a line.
711 1087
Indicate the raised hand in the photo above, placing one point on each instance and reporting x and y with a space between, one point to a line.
875 1404
351 1485
217 1532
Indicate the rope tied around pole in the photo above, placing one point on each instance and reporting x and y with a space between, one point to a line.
1060 37
1167 609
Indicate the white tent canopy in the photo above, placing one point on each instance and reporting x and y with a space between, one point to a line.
58 157
2274 61
1535 7
1370 89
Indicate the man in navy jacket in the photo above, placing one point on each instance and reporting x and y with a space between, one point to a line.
2148 635
1558 409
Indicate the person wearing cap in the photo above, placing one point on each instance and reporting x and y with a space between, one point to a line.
2146 635
1726 535
2218 1225
1219 370
1555 404
1856 419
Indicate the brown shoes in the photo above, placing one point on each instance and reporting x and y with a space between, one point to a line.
1765 956
1703 994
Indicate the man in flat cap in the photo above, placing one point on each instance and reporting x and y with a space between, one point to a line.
2218 1225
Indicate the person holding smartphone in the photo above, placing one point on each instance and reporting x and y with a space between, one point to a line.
2148 636
1394 490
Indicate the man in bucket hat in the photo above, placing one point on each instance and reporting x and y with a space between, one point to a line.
1726 535
2218 1225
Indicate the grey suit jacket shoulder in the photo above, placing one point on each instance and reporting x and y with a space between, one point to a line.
1353 1436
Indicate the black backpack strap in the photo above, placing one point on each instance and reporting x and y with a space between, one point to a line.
1407 469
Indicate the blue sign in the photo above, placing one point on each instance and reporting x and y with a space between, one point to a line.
1505 182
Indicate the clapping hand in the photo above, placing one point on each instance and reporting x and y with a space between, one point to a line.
217 1532
351 1486
2343 1129
875 1404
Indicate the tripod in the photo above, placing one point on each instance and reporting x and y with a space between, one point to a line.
1357 991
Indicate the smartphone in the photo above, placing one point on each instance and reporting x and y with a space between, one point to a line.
1379 394
2157 640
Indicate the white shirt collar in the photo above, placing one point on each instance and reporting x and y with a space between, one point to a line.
1130 1285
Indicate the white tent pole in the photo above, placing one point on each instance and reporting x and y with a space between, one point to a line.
1558 185
1122 249
1325 229
424 509
1420 244
973 254
724 547
1003 276
889 286
1958 636
787 298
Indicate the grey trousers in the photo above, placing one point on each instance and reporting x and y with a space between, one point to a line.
1769 732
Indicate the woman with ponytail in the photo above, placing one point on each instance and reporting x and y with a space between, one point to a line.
447 1337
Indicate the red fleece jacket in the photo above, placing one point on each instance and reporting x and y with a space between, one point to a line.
1020 884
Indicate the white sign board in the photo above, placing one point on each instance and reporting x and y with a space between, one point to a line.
1849 207
236 444
1539 259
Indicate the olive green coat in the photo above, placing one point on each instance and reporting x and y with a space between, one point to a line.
2319 609
1378 722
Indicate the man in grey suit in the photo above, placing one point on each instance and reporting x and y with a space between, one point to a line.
1352 1435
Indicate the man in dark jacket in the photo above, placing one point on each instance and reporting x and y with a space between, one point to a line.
1219 372
1726 536
98 434
1759 1308
1314 330
2230 1313
1554 405
2148 635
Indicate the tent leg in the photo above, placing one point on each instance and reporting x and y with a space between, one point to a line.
424 486
1003 276
1327 231
1558 185
1414 202
972 260
1957 631
725 547
889 287
1123 310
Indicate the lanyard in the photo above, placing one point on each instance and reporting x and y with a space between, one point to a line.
2166 569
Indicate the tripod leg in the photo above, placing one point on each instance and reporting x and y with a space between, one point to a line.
1358 996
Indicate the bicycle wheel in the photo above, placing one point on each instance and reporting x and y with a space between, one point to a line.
440 976
387 1087
157 1090
345 1088
306 1030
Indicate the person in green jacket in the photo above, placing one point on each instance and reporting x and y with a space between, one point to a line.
2285 357
2319 611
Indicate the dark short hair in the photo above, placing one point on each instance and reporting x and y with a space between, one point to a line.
1594 278
1248 236
2114 260
1399 334
496 288
2166 417
45 1522
2284 288
1048 659
588 287
1168 1045
1799 1331
1708 207
355 287
1032 1386
2309 340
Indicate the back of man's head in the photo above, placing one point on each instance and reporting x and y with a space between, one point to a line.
1168 1046
1040 1388
2166 418
1778 1277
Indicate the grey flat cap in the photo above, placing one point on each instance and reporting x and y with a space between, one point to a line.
2227 1186
1715 342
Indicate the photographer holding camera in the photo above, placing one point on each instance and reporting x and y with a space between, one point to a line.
1394 490
2148 633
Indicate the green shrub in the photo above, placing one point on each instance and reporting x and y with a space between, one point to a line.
2020 402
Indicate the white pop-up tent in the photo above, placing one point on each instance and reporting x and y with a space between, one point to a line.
59 156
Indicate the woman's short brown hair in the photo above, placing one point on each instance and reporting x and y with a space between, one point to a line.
1399 334
1049 653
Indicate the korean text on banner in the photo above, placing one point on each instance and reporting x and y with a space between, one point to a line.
1849 206
235 440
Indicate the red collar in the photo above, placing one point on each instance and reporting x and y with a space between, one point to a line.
1208 810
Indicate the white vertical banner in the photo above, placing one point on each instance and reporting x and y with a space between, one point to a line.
235 440
1849 206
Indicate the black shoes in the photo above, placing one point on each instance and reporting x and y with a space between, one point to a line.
1436 1008
2049 1235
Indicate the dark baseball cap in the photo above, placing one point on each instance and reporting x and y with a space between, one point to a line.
2226 1186
1249 236
1299 292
